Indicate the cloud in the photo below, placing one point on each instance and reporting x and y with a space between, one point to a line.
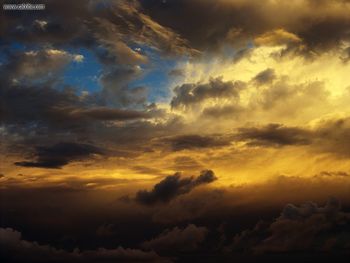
245 204
60 154
265 76
112 26
188 142
116 89
189 94
333 173
276 38
227 111
330 135
182 27
104 113
31 65
275 135
105 230
177 239
16 249
302 25
307 227
178 72
186 163
287 99
173 186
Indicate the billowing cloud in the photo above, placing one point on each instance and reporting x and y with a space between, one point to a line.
307 227
173 186
177 239
16 249
189 94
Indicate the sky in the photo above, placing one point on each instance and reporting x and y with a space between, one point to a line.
175 131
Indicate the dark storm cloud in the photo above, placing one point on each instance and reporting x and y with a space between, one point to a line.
60 154
326 33
328 136
111 26
232 209
34 101
41 104
275 135
265 76
210 22
105 230
16 249
189 94
307 227
177 239
173 186
187 142
209 25
179 27
333 136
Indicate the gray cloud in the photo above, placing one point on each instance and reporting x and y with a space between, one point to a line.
265 76
177 239
16 249
329 136
307 227
227 111
60 154
183 142
178 72
173 186
116 89
185 163
275 135
189 94
318 27
104 113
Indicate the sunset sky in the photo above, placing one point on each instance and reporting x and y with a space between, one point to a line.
175 131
